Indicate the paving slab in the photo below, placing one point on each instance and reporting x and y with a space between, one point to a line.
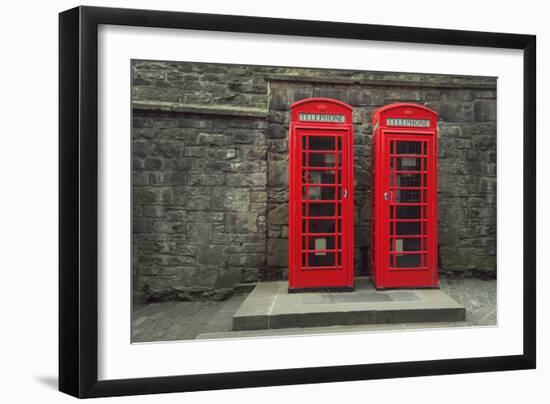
270 306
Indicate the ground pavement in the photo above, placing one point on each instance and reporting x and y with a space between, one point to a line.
172 321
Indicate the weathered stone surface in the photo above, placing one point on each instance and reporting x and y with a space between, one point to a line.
231 199
199 232
246 180
486 111
244 222
277 173
278 253
279 215
210 255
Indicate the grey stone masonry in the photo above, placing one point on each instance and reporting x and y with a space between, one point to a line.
200 200
210 169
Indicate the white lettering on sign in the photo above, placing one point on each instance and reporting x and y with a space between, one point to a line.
417 123
334 118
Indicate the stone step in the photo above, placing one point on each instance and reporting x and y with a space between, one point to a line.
270 306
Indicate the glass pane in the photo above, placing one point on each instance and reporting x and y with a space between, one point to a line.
408 244
407 212
322 143
404 147
326 260
319 226
405 229
408 163
315 193
407 195
319 209
321 243
408 261
409 180
321 177
322 159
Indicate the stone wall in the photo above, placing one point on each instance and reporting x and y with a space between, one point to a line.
210 167
199 197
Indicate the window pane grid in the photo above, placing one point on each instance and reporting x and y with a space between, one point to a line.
321 199
408 188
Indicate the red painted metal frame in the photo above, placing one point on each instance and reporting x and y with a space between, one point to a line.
340 275
383 273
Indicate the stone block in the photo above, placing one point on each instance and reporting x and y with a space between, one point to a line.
231 199
454 111
184 163
277 146
139 148
145 196
153 211
278 101
279 215
277 195
195 276
486 110
207 179
198 203
298 93
210 255
246 180
277 131
245 260
336 92
453 258
142 225
484 143
153 163
284 232
277 173
140 178
199 233
246 136
241 222
166 148
258 196
276 117
245 167
360 97
228 277
211 165
277 252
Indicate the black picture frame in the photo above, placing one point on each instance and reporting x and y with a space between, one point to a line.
78 201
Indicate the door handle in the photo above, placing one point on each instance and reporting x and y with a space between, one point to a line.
385 196
345 193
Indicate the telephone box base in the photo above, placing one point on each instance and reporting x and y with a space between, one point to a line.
331 289
271 306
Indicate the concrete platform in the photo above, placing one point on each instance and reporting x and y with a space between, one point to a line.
270 306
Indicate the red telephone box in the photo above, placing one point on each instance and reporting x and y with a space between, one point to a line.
320 195
403 242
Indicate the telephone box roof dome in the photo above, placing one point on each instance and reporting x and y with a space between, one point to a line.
404 104
317 100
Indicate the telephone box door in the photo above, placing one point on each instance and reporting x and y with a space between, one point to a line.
410 210
321 197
